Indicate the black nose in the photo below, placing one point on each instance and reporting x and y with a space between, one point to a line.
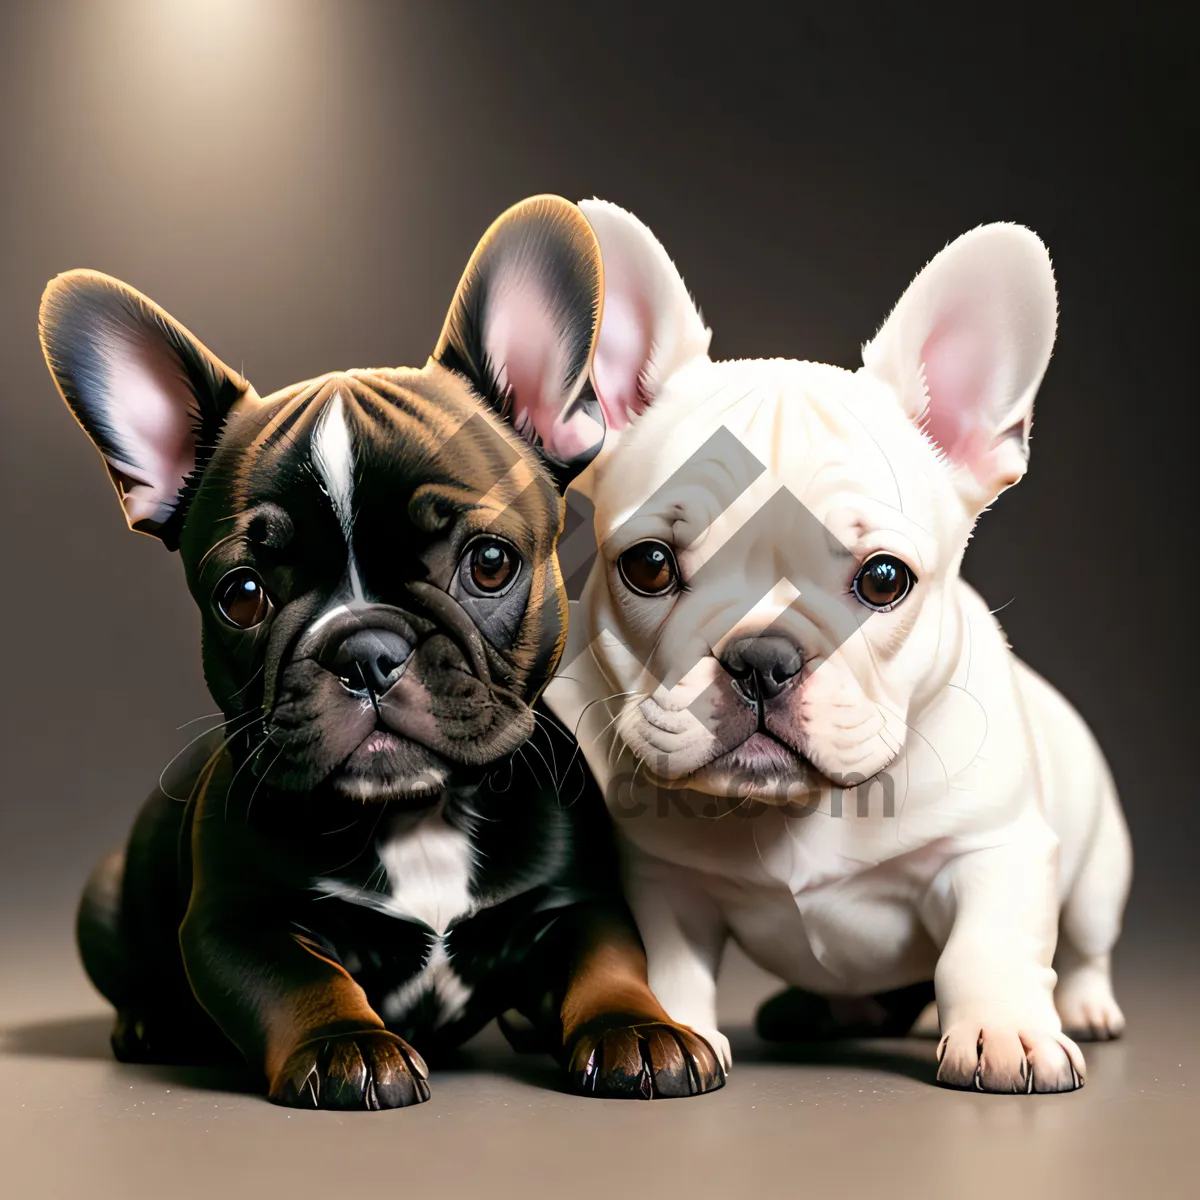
371 658
761 666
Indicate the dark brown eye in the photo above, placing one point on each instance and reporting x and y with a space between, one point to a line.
242 600
493 565
649 568
882 582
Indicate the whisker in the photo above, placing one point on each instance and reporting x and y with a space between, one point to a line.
340 829
582 713
254 716
362 674
358 853
205 717
229 537
545 762
241 767
262 777
546 724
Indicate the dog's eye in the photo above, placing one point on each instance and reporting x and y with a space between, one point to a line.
649 568
492 564
882 582
242 600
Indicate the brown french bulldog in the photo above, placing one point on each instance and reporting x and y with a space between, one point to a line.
381 846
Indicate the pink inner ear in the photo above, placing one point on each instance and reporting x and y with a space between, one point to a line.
152 414
622 351
520 342
960 380
527 347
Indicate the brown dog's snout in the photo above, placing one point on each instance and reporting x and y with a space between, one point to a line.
761 667
371 659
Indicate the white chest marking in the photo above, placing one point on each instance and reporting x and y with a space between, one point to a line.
428 867
429 872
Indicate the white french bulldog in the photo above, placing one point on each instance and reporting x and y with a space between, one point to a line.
811 732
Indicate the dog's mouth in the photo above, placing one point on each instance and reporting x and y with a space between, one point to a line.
762 753
435 725
761 767
385 767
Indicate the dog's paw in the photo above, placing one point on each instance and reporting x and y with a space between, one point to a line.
354 1071
720 1045
1087 1008
1006 1058
647 1060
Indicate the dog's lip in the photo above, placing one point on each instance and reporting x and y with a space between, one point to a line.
784 759
763 750
381 741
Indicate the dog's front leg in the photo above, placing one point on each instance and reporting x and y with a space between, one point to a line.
619 1040
294 1012
684 935
995 912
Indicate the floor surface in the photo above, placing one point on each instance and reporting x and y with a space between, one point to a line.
859 1120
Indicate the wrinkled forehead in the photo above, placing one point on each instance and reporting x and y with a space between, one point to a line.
722 439
367 446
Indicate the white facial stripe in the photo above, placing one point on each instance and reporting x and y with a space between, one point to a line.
333 457
338 609
327 616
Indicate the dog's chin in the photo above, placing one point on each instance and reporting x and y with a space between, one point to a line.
761 768
761 755
386 768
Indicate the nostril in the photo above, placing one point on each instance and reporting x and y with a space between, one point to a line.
782 671
387 666
387 671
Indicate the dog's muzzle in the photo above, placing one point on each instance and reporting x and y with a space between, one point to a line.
368 647
761 667
370 659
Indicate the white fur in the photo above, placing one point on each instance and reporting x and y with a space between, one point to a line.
1006 824
429 868
333 458
437 976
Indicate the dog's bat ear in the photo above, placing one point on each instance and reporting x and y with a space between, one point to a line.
147 393
522 328
651 326
966 348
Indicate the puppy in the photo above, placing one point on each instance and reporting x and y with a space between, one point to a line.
810 731
371 851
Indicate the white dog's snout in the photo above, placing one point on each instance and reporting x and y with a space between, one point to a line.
775 614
